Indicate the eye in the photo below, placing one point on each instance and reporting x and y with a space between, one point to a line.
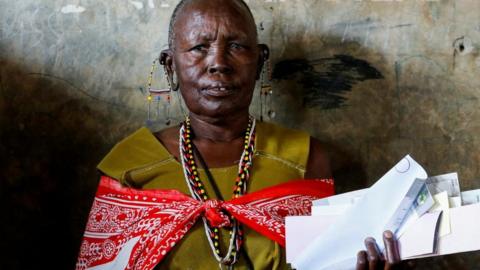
235 45
199 47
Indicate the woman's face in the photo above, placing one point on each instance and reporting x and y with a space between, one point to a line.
216 57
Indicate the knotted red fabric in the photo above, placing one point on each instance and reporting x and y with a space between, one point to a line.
214 214
134 229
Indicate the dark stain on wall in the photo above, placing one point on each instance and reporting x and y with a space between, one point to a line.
326 80
50 143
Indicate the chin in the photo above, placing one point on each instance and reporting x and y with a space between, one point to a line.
218 105
221 111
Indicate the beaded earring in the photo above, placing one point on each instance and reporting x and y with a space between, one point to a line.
266 91
158 96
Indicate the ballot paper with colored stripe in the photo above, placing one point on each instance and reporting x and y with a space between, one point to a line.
423 220
338 245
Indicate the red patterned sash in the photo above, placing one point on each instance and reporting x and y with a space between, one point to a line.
134 229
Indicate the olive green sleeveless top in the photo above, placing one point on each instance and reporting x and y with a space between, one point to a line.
280 155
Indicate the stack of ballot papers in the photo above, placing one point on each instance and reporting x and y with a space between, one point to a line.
429 216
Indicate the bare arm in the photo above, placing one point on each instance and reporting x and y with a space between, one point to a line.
318 164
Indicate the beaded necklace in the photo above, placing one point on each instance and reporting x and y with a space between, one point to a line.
197 189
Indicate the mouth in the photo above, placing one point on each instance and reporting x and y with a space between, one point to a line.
219 90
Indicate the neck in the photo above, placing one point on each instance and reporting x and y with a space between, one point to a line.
223 129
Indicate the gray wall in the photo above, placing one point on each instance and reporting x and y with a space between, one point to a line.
374 80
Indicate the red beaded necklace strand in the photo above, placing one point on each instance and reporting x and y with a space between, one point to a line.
197 189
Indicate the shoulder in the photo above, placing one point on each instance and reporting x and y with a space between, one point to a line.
296 147
169 139
318 165
280 132
138 149
283 143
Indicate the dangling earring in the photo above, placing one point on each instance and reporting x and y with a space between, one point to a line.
266 91
156 96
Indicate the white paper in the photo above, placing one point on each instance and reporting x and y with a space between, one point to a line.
338 204
445 182
407 223
471 197
441 204
465 235
300 230
327 210
419 239
344 198
339 244
455 201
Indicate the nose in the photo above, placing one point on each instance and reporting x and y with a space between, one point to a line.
219 63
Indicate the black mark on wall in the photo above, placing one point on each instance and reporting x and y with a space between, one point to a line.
325 81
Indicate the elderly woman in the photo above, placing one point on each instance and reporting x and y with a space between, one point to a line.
220 151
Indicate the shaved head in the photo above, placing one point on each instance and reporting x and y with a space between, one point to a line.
179 9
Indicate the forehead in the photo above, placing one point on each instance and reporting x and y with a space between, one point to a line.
201 17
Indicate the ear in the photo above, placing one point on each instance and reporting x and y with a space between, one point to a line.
166 59
264 55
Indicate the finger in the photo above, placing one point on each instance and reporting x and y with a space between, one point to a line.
391 251
373 255
362 260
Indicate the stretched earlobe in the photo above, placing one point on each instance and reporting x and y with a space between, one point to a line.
263 56
264 51
166 60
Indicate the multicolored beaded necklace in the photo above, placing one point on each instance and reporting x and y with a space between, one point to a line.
197 189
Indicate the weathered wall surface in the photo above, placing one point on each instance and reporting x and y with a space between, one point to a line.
374 80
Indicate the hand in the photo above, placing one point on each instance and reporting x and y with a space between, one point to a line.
372 258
